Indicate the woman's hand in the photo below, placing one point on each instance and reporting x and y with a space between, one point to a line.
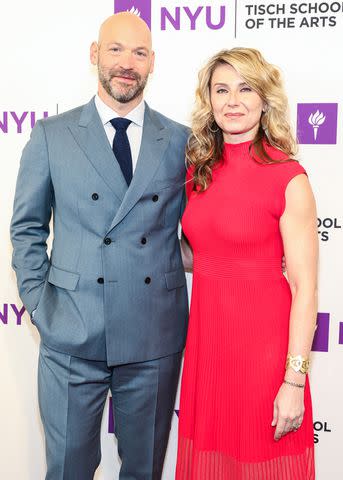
288 410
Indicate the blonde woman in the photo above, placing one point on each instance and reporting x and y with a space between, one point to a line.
245 411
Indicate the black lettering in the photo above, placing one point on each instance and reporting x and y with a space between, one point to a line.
318 426
302 8
250 23
323 7
327 222
324 236
312 8
249 7
304 23
293 8
335 7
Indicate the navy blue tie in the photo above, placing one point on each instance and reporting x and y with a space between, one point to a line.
121 147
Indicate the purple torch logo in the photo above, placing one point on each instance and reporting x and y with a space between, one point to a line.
316 120
317 123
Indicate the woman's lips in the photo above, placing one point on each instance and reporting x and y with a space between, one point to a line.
234 115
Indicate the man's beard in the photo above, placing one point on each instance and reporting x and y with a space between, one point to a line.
131 92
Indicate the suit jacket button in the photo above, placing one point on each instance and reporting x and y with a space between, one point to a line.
100 280
95 196
147 280
143 241
155 198
107 241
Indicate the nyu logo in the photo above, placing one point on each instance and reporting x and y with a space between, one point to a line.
190 18
10 309
317 123
11 121
177 17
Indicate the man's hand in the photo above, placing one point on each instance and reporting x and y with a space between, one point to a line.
187 254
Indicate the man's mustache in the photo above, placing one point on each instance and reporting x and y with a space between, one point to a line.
125 73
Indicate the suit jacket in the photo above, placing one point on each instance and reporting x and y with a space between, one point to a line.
114 286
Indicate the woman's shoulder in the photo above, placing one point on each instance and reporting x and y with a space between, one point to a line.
283 166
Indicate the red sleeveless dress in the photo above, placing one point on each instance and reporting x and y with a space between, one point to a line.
238 332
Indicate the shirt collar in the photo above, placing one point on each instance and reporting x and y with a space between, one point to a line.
106 113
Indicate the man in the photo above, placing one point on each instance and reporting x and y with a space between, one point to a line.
111 303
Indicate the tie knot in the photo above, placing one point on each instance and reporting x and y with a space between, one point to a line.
120 123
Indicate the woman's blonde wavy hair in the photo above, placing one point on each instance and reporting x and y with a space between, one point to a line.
205 144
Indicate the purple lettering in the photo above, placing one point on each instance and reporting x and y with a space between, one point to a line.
18 313
175 22
19 121
193 16
4 123
209 23
4 314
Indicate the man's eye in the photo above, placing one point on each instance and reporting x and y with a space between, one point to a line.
141 54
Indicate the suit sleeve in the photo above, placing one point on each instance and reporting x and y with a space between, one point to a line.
31 218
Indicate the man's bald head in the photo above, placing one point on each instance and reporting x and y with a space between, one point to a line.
124 58
127 21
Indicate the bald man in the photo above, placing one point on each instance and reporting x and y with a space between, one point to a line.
110 303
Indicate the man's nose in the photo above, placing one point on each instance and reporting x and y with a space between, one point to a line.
126 60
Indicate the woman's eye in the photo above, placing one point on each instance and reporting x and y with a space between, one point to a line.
246 89
221 90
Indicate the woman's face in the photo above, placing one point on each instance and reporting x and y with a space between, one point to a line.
237 108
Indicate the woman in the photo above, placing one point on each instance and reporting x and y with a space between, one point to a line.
245 411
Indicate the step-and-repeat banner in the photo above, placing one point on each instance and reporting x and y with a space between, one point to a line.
46 70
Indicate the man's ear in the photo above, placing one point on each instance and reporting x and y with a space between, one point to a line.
94 53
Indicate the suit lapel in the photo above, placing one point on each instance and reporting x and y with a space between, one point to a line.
91 137
155 139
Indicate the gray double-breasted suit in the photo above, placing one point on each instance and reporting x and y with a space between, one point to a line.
113 289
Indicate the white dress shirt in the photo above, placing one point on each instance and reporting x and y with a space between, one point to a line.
134 130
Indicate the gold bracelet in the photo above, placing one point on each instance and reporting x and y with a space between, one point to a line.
293 384
298 363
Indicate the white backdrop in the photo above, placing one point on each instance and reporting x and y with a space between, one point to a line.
45 68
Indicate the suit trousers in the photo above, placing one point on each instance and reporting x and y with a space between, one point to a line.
72 394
